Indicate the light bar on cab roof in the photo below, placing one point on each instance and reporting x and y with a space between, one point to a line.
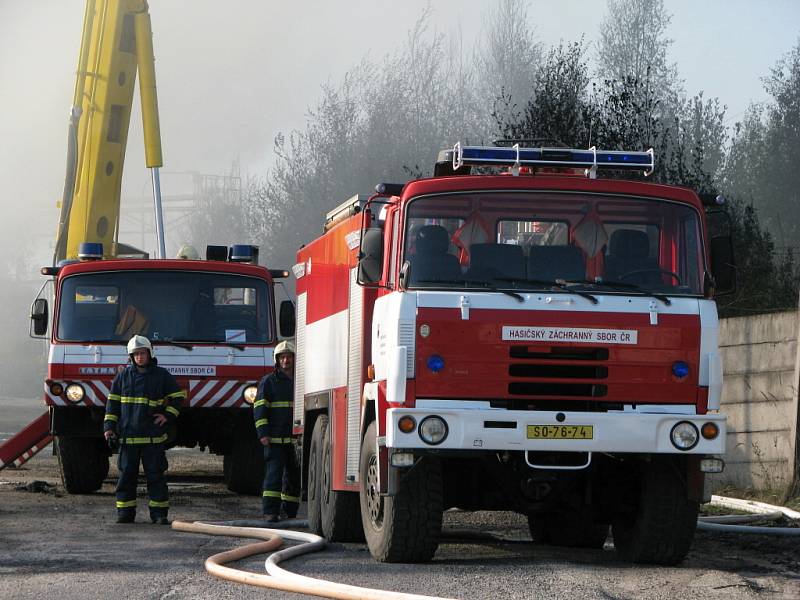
515 157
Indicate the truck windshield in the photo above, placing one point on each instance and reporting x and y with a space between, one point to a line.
537 240
167 306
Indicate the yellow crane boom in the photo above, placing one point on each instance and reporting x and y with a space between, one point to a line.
116 42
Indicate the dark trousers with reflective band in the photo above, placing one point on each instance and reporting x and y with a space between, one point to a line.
281 490
154 462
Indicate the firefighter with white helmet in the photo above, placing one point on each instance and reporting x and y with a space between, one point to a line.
189 252
144 401
272 411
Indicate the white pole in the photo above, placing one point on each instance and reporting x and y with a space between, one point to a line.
162 253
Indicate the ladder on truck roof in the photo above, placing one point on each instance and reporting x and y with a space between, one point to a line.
24 445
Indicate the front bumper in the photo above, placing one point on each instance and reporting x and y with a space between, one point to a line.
493 429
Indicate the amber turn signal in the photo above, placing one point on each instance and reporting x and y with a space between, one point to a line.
406 424
370 371
709 431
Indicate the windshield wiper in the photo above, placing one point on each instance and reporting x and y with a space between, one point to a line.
488 286
178 343
624 286
560 284
212 342
484 284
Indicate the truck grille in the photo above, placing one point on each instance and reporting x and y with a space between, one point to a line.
536 372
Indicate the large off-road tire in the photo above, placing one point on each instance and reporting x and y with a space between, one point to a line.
404 527
661 529
243 466
314 475
83 462
339 510
574 529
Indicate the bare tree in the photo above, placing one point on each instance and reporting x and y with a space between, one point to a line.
385 121
634 43
507 58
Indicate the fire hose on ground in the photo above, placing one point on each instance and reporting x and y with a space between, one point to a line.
281 579
276 577
760 511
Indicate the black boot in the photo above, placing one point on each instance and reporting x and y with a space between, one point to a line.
126 517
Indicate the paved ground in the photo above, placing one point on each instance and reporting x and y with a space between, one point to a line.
54 545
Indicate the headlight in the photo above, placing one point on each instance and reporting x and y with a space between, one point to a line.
250 393
56 389
684 435
433 430
75 392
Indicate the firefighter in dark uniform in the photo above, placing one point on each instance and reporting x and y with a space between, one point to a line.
144 401
272 411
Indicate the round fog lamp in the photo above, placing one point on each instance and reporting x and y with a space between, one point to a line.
74 392
250 393
680 369
56 389
684 435
406 424
433 430
709 431
435 363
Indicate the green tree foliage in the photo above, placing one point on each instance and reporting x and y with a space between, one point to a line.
760 176
560 109
761 162
386 120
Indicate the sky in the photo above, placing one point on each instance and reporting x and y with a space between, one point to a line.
233 74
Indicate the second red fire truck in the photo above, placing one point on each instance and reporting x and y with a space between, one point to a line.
535 339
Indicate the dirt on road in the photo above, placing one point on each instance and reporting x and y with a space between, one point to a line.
54 545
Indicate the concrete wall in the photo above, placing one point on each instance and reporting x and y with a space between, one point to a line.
760 398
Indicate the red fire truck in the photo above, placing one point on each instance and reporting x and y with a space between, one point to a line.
212 325
526 337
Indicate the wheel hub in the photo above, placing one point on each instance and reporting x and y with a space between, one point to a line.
374 499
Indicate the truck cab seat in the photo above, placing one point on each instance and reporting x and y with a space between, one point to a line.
556 262
492 261
431 262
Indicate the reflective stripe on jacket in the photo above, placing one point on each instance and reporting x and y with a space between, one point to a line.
136 398
272 409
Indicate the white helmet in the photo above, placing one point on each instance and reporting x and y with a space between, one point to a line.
137 342
284 347
187 251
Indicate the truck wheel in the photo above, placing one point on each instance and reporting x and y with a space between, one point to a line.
661 529
83 463
339 510
404 527
314 476
243 466
575 529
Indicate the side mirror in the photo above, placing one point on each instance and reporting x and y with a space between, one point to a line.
39 316
405 273
286 319
723 267
370 261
